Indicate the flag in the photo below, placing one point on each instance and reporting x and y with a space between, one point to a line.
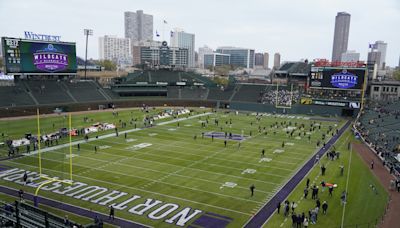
172 33
165 22
157 35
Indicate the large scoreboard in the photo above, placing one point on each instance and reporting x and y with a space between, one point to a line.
337 77
38 57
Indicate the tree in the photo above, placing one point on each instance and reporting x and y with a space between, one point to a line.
1 62
108 65
396 74
222 81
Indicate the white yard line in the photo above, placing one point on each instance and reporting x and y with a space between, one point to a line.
347 186
109 135
137 189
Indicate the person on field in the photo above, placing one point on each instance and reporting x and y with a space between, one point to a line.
278 206
324 207
111 216
252 187
305 193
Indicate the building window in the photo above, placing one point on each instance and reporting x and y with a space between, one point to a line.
376 88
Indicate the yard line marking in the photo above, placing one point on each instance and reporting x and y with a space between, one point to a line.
109 135
133 188
211 164
347 185
150 179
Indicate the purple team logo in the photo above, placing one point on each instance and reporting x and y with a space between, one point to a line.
50 59
344 80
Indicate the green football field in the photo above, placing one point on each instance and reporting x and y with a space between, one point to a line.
169 174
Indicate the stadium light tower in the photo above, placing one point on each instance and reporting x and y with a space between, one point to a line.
87 32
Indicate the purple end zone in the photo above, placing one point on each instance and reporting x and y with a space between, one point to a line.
206 221
4 167
263 215
72 209
221 135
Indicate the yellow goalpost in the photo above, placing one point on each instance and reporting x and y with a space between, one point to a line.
49 179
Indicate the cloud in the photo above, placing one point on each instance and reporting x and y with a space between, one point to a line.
296 29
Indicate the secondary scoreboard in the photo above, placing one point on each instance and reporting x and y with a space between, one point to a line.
37 57
337 77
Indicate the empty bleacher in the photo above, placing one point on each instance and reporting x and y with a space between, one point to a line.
84 91
48 92
218 94
14 96
249 93
195 93
173 92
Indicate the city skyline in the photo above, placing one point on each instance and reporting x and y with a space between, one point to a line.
257 26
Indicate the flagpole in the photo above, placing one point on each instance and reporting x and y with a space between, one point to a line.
163 29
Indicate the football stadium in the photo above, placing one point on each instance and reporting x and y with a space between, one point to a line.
164 145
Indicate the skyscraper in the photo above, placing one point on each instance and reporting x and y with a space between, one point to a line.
138 26
277 60
182 39
381 47
266 60
341 36
259 59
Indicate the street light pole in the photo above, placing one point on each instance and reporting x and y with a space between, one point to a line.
87 32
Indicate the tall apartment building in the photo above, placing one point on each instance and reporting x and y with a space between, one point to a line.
138 26
115 49
202 51
381 47
182 39
259 59
241 57
341 35
277 60
266 60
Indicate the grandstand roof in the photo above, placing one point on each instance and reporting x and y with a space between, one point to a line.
294 68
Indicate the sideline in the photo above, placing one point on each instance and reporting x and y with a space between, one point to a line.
74 143
269 208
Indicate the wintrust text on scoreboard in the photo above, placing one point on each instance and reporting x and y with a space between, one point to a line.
43 37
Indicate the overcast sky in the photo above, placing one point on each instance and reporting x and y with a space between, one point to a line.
295 28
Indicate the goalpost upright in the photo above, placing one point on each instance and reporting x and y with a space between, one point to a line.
50 179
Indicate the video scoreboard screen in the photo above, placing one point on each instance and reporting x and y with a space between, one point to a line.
28 56
337 78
